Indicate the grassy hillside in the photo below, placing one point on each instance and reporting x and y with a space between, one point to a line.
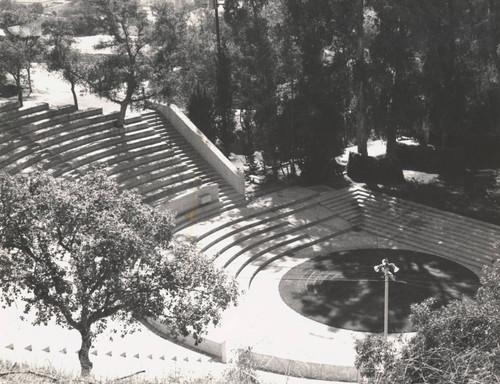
14 373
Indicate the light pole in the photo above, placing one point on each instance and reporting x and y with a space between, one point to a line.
217 31
388 269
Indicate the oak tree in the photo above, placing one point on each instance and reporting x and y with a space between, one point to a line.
123 75
61 54
82 253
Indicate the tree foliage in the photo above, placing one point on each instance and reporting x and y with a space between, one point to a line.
395 92
455 344
224 114
201 112
83 253
20 45
61 55
123 75
171 45
79 14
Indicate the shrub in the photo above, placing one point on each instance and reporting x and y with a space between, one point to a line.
431 159
372 170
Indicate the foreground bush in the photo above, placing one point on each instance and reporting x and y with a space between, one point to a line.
374 170
455 344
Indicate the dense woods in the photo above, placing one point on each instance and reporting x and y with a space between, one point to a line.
297 80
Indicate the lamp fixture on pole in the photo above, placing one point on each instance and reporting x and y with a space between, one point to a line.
388 269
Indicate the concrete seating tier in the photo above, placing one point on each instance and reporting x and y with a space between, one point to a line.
238 215
470 242
271 214
15 145
139 156
148 171
246 240
61 120
44 135
67 145
37 113
248 271
69 124
8 105
13 112
136 157
170 191
107 145
150 188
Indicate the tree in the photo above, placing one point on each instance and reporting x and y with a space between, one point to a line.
123 75
62 56
170 48
448 68
79 14
6 4
253 60
83 253
360 66
224 116
455 344
318 98
201 112
20 45
13 62
395 47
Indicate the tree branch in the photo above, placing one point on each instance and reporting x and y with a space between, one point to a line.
30 373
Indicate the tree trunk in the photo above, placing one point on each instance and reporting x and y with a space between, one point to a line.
362 136
391 141
83 353
19 88
28 69
292 133
494 9
75 99
123 110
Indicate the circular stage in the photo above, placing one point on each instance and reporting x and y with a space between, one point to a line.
343 290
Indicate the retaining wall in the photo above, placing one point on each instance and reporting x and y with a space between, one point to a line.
306 370
192 199
211 347
204 146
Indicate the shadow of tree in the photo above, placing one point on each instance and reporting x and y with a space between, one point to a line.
342 289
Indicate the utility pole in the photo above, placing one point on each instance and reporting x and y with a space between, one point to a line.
217 29
386 305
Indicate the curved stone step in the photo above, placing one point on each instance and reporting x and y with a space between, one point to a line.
147 171
249 271
472 235
7 105
331 200
108 147
19 113
438 245
43 114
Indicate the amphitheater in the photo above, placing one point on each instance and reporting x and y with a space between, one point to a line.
163 156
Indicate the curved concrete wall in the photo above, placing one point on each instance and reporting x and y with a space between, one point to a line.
211 347
204 146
